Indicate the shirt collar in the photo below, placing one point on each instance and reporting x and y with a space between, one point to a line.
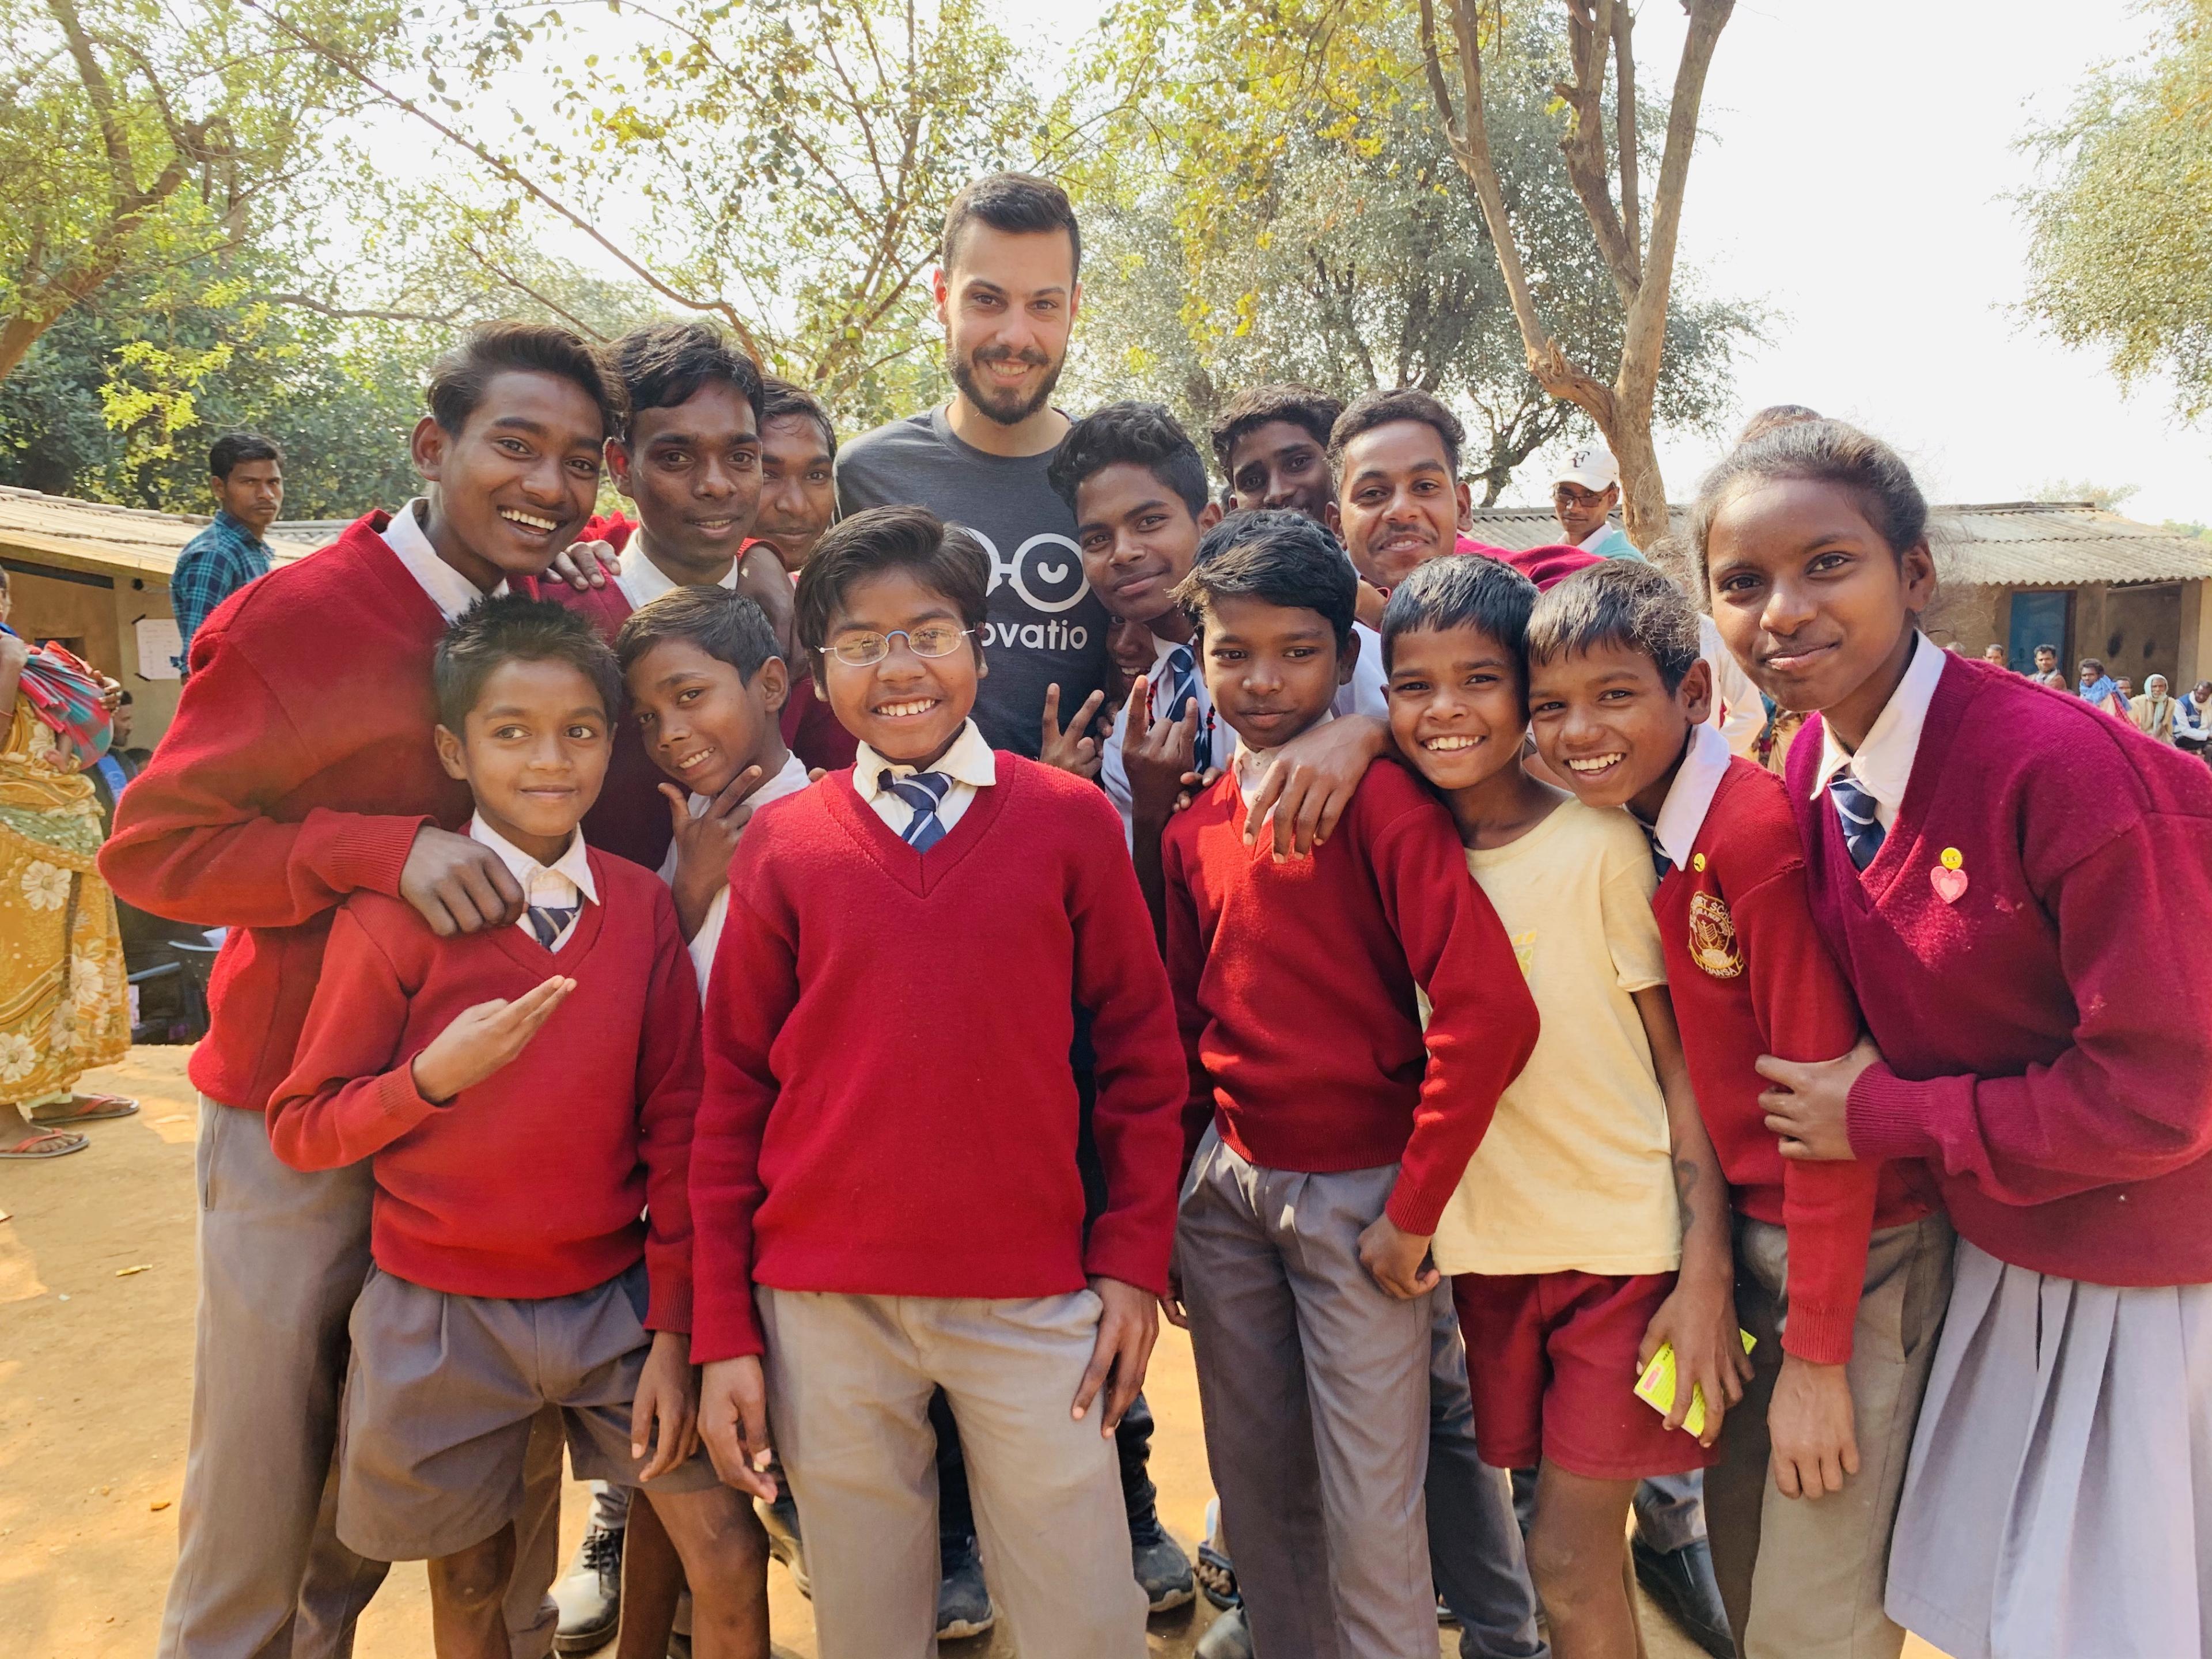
542 882
1690 797
788 781
450 591
643 582
1883 763
236 526
969 761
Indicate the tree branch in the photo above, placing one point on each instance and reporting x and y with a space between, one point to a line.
1624 96
1590 170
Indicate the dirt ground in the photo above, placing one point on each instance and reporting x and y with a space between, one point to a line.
96 1291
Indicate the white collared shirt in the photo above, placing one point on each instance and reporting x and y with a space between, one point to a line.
1739 713
1883 763
969 763
1368 690
642 581
1609 541
1690 797
563 884
450 591
788 781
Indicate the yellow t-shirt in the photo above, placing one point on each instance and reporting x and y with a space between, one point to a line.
1576 1171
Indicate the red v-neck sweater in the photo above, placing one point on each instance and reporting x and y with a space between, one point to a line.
530 1183
298 769
1750 975
1295 992
2040 1047
889 1108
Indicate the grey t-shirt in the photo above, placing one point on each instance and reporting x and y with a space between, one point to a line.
1044 625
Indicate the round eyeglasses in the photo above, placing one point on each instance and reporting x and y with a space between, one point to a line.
865 650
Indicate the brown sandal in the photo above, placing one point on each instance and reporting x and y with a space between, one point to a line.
51 1143
85 1108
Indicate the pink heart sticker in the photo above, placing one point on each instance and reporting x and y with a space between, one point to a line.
1949 883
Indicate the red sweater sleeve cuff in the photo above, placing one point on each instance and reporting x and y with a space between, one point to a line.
726 1334
1417 1208
668 1299
1117 1252
400 1101
1821 1335
1888 1117
353 852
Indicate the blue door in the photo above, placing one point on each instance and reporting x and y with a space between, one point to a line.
2037 619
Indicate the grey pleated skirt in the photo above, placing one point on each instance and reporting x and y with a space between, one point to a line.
2059 1501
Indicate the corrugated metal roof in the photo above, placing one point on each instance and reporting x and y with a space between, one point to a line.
1991 545
94 535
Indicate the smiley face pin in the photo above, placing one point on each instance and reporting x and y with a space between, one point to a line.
1948 877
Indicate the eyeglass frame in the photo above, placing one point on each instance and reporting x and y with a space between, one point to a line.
887 637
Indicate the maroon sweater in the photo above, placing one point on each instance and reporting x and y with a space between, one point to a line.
530 1183
2041 1048
1750 975
889 1108
297 769
1295 990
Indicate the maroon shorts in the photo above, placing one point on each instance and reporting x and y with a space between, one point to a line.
1551 1359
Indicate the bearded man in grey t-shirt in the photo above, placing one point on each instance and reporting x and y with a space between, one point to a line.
1007 293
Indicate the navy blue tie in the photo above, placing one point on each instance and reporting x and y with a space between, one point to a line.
549 921
924 791
1660 861
1855 810
1182 691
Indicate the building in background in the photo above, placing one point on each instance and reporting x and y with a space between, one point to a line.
96 578
2025 573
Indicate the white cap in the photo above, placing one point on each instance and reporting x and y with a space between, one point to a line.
1593 468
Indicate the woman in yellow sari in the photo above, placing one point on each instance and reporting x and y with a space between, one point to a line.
63 1005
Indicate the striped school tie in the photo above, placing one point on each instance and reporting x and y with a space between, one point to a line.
1660 861
1182 691
550 922
923 792
1854 811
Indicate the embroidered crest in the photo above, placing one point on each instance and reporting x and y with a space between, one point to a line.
1712 937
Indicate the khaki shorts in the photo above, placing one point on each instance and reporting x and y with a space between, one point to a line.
439 1399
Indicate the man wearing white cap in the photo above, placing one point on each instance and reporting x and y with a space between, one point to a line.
1583 499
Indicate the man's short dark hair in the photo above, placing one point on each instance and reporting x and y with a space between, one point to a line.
1376 409
1621 603
665 364
2040 649
1257 406
461 376
1016 202
943 557
780 397
1463 590
1277 557
510 628
728 627
229 451
1134 434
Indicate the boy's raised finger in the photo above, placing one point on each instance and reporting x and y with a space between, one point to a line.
732 793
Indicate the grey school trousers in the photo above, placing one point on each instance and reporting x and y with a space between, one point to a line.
1315 1389
260 1573
1803 1578
849 1381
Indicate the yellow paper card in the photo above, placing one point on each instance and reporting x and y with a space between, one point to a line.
1656 1388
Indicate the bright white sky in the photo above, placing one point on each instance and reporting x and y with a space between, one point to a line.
1856 174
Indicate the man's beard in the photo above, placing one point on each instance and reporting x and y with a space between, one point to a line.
1005 408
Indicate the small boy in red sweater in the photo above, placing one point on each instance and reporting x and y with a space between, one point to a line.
512 1268
1325 1131
1841 1267
888 1030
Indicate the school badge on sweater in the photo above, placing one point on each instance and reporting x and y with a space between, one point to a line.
1712 937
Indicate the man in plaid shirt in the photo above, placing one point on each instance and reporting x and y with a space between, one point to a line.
247 473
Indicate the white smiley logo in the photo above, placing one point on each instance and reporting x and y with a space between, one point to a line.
1046 571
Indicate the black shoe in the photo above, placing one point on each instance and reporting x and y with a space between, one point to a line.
1162 1567
589 1593
1681 1582
1227 1637
964 1606
779 1521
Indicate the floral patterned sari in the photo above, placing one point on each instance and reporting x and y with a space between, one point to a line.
63 1005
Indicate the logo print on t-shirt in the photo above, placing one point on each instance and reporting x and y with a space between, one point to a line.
1712 937
1046 570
